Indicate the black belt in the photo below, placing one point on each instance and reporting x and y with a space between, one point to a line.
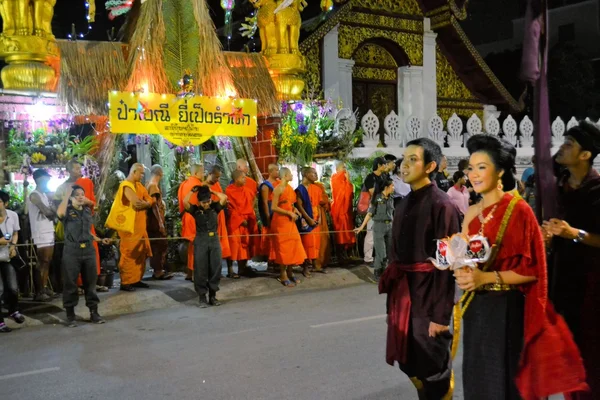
209 234
80 245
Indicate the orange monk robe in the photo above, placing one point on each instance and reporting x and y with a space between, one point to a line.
188 223
288 246
325 249
342 216
312 240
267 246
255 241
221 224
240 206
135 247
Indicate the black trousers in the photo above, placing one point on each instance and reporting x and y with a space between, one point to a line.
75 261
207 264
429 359
9 289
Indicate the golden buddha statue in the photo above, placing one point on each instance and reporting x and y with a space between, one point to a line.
28 45
279 25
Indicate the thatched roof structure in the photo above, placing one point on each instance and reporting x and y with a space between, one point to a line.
253 81
88 70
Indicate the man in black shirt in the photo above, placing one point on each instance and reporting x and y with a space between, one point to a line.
441 179
207 247
372 182
79 256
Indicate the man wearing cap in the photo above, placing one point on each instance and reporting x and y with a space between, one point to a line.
41 221
575 283
207 247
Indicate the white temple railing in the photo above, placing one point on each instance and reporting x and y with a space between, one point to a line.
453 134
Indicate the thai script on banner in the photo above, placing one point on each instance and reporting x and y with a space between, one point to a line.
181 120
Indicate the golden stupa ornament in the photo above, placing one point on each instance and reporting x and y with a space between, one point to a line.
279 25
28 45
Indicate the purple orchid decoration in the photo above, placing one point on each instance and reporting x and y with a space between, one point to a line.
302 129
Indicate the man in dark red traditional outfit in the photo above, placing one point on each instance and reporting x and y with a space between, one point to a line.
575 272
421 297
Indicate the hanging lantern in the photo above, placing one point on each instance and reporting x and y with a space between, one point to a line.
228 6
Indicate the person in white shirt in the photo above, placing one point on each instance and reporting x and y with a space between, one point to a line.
401 189
9 290
41 221
459 192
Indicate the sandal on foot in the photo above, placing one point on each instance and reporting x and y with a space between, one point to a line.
286 283
233 276
101 289
295 280
163 277
320 270
306 274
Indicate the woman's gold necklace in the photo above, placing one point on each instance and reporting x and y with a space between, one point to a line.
488 218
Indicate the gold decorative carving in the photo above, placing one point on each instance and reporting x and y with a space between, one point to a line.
28 45
371 53
387 21
449 84
312 77
446 111
407 7
440 20
374 73
514 105
334 19
351 37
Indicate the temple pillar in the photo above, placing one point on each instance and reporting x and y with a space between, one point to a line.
429 72
345 82
331 78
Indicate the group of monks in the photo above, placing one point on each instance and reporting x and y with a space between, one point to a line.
293 228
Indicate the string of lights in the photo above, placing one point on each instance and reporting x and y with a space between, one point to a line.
90 9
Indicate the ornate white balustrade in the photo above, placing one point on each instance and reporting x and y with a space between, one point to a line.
455 134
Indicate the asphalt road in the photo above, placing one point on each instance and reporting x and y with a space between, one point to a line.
305 345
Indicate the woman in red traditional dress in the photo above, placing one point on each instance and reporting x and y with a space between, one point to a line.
515 345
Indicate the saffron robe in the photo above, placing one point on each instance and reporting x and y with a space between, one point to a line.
420 218
267 246
188 224
221 224
289 249
134 247
575 284
342 216
240 207
549 361
311 199
325 243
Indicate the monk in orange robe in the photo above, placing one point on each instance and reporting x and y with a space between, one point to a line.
135 247
289 250
156 226
342 192
241 223
215 186
309 199
265 192
188 224
73 167
325 245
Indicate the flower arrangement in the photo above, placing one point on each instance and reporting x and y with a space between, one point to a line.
309 129
298 136
50 146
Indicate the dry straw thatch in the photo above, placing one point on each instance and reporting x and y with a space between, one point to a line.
253 81
88 70
153 52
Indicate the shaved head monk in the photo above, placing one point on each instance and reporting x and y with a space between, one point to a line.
342 191
188 224
289 250
213 181
309 197
241 221
265 192
132 201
